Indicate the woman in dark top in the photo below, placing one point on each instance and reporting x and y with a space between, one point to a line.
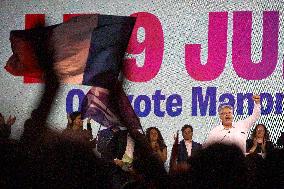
157 143
259 141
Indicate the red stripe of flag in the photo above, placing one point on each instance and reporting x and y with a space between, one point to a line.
33 21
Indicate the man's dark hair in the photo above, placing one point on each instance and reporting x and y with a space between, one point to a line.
75 114
186 126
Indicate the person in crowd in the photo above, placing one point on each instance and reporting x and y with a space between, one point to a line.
43 159
280 141
259 141
5 127
230 132
155 139
218 166
187 146
104 140
123 150
75 129
273 176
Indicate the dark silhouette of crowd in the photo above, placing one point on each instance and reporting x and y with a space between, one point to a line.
43 158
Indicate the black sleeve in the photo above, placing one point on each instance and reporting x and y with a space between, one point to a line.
280 140
199 146
89 129
269 146
248 145
178 153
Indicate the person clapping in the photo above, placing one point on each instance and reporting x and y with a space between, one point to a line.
259 141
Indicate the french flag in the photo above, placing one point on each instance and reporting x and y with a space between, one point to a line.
82 48
86 50
110 108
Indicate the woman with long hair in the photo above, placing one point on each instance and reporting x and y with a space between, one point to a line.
259 141
157 143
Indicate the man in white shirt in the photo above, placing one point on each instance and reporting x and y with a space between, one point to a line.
230 132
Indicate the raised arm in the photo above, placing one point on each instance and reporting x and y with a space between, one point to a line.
89 129
5 128
163 154
248 122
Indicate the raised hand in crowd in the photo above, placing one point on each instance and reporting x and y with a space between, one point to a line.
11 120
5 127
2 120
155 147
260 142
256 142
89 120
256 99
